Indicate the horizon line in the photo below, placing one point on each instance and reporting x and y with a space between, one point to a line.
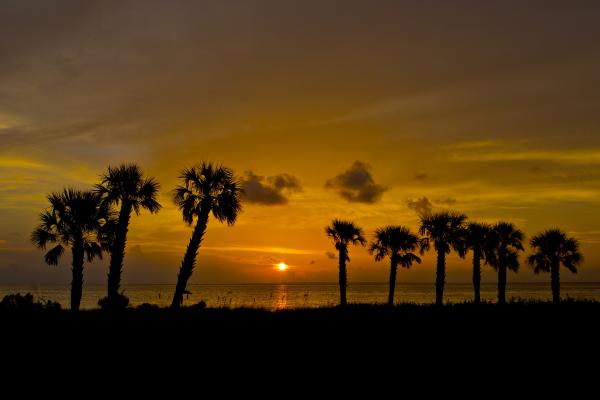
305 283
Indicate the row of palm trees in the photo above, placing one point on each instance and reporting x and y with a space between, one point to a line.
496 245
97 221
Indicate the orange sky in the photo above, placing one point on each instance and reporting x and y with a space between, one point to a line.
488 109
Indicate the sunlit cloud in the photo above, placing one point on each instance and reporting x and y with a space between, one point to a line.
261 249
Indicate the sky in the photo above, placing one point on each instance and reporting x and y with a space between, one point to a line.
361 110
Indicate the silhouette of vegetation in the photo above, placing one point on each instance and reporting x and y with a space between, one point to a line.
127 187
398 243
554 248
477 241
76 219
24 303
344 233
505 242
447 232
207 189
86 221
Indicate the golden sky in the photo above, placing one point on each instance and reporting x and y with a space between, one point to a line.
364 110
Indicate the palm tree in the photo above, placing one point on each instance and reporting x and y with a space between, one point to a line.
398 243
447 232
127 187
206 188
502 253
552 249
74 219
344 233
477 239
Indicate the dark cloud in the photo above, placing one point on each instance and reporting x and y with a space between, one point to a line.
137 249
356 184
422 176
421 205
330 255
270 190
448 201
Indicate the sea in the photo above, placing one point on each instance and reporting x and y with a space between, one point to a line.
278 296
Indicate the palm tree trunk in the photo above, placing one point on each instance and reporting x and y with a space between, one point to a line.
440 277
393 270
501 283
342 277
477 274
77 272
555 277
189 259
118 252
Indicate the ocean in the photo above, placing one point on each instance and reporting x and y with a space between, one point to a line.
285 296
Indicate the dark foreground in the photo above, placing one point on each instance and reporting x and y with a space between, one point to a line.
365 339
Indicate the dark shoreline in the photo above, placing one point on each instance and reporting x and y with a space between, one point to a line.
359 339
532 315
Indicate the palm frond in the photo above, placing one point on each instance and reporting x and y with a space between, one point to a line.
554 246
52 256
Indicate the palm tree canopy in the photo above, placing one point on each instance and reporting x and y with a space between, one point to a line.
478 235
506 240
127 183
396 242
554 244
73 216
447 231
344 233
207 188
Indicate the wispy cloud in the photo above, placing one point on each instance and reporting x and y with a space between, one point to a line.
573 156
261 249
21 163
478 144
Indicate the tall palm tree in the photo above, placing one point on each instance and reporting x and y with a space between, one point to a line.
127 187
505 242
206 189
477 240
74 219
552 249
398 243
447 232
344 233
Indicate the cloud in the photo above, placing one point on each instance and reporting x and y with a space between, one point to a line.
571 156
448 201
421 205
356 184
272 190
480 144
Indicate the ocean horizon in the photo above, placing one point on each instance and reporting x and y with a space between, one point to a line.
278 296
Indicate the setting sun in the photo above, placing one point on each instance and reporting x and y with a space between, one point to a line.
282 266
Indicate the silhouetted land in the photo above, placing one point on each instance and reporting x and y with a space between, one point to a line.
526 328
306 349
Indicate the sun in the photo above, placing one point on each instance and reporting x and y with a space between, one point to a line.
282 266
